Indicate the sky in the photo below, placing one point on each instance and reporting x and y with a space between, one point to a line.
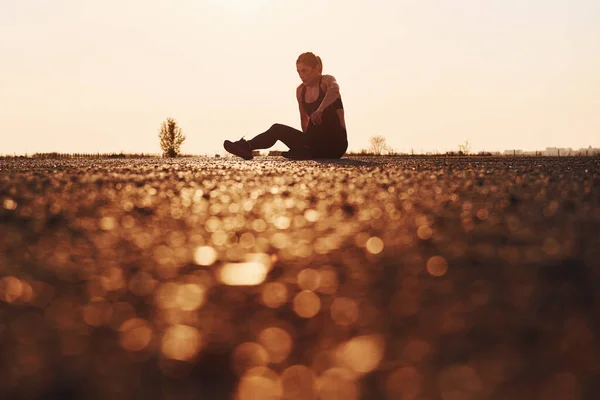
101 76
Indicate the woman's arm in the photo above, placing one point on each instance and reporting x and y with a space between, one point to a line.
332 93
304 118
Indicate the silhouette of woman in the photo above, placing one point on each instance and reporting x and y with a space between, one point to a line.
323 132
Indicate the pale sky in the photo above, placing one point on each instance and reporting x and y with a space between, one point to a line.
100 76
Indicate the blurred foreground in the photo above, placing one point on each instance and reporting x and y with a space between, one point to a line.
375 278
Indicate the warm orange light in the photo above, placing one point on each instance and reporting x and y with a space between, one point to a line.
136 334
11 289
142 284
309 279
437 266
249 355
328 284
107 223
337 384
27 294
9 204
181 342
277 342
243 274
247 240
112 279
299 382
260 383
166 295
361 354
311 215
344 311
307 304
274 294
205 255
262 258
374 245
424 232
323 360
97 313
483 214
190 296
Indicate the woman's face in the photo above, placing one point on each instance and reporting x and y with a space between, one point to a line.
308 74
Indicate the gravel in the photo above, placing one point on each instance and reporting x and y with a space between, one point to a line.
362 278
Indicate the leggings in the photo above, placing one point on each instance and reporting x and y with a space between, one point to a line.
313 141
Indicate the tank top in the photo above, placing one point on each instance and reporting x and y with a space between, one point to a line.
330 117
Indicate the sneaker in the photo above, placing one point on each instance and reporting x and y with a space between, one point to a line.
302 154
240 148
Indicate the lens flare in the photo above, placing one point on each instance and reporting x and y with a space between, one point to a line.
344 311
337 384
307 304
299 383
249 355
277 342
361 354
181 342
309 279
136 334
190 296
260 383
328 283
437 266
97 313
243 274
11 289
205 255
374 245
274 294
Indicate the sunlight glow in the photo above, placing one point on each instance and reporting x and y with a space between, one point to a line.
243 7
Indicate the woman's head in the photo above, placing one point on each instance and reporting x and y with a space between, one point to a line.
309 67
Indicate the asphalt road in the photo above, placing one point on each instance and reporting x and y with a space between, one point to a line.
363 278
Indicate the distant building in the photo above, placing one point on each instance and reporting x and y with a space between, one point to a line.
556 151
589 151
513 152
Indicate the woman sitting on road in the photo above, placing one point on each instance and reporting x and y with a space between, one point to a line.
323 132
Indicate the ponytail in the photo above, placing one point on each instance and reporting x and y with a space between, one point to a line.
311 60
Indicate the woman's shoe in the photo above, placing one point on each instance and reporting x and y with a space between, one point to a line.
240 148
297 154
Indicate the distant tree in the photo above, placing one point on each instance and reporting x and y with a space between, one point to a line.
171 137
378 145
464 148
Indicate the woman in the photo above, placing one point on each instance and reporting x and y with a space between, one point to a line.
323 132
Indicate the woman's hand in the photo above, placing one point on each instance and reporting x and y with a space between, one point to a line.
317 117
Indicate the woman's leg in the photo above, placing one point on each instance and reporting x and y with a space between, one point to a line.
292 138
328 143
